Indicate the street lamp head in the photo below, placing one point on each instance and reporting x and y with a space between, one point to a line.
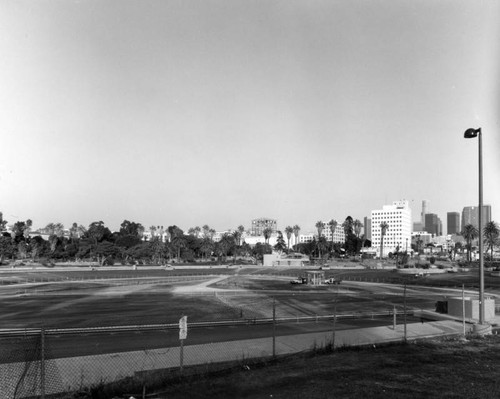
471 133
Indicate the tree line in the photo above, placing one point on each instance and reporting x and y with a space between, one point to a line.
163 245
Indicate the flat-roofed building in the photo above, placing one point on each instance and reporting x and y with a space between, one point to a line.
260 224
399 220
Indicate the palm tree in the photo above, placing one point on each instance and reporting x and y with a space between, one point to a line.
383 229
296 230
491 236
357 225
211 233
470 233
267 234
241 230
73 231
332 224
320 226
288 232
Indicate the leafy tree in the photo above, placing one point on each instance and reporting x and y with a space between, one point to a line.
3 222
206 231
27 230
280 243
98 232
156 246
38 247
128 241
22 249
18 230
133 229
53 241
6 248
260 249
104 251
469 233
225 245
207 246
138 252
491 236
177 240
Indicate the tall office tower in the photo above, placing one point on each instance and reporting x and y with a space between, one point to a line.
432 224
368 228
425 203
258 226
470 215
399 221
440 227
418 226
453 222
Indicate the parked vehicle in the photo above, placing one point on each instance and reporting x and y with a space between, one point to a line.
332 280
299 280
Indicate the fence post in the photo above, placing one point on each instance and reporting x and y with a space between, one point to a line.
274 327
394 318
334 324
42 363
404 313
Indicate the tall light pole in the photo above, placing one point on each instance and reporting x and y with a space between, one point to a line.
470 134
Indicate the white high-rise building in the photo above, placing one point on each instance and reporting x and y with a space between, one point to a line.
399 219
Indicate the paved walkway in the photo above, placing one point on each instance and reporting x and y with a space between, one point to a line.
73 373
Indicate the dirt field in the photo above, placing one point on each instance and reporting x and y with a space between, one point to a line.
118 297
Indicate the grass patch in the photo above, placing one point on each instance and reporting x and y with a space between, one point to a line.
445 368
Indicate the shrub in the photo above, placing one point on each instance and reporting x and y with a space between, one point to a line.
432 260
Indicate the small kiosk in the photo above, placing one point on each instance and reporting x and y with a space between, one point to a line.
315 277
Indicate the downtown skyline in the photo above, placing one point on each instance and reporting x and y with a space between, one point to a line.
221 112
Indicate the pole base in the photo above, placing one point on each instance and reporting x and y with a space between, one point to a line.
481 329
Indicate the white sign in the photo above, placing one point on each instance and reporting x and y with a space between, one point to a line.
183 327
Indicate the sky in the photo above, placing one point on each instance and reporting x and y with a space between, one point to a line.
222 111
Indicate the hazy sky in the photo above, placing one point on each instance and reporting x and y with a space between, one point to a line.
218 112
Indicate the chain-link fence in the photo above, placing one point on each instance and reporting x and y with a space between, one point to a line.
48 362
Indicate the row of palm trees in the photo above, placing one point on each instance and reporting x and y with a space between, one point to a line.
491 236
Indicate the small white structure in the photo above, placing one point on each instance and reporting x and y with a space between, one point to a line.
455 307
270 259
291 260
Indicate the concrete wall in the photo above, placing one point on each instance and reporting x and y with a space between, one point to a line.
270 259
471 308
